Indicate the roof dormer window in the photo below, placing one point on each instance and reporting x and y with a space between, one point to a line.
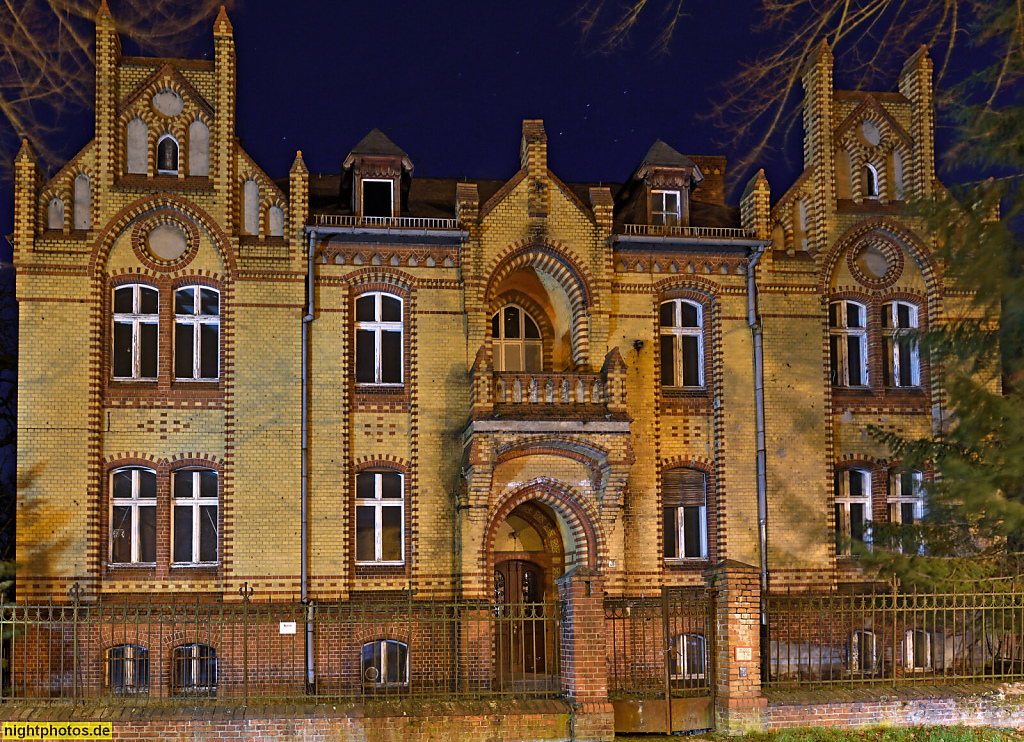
378 197
665 208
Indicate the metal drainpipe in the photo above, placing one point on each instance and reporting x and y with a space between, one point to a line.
762 475
304 547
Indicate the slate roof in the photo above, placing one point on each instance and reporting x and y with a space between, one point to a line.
377 144
661 154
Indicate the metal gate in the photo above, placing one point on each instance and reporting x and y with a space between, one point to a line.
661 661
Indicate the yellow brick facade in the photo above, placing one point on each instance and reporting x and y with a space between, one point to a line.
560 465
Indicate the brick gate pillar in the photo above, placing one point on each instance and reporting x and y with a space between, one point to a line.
735 592
582 660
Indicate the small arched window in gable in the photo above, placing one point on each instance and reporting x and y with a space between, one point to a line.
870 181
276 219
167 155
137 146
198 149
55 214
251 207
517 341
83 202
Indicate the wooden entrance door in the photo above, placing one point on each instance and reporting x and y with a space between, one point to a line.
521 637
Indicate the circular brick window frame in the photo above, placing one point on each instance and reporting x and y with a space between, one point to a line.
140 240
893 257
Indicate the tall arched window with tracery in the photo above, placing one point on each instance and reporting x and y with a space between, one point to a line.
518 345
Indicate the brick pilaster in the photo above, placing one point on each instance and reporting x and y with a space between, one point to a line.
755 207
916 84
298 205
735 593
582 653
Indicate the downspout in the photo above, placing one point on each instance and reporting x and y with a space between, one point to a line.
304 547
762 464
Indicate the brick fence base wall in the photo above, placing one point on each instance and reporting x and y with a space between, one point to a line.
998 706
394 722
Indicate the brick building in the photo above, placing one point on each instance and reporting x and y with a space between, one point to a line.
363 384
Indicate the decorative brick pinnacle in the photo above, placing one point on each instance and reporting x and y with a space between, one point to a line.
222 26
103 13
26 152
298 165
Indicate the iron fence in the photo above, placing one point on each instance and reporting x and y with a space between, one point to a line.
256 652
660 647
893 638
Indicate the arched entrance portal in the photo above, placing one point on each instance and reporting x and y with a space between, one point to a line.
528 556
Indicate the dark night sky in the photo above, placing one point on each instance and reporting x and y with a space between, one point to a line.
451 82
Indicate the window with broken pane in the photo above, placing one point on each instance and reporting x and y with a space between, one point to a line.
380 517
194 528
135 331
133 516
378 339
196 333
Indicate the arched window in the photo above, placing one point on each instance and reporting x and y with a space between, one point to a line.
127 670
380 517
194 670
133 516
136 323
689 660
870 181
517 341
901 366
251 207
137 146
198 149
386 663
682 343
55 214
276 219
852 508
83 202
685 522
167 155
847 322
862 651
378 339
196 333
194 528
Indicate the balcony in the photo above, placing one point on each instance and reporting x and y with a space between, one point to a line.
701 233
567 395
346 222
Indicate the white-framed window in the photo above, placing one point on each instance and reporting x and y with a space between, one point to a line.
517 343
847 327
194 670
194 525
167 155
196 333
386 663
902 365
682 343
133 516
665 208
378 339
853 508
905 501
136 331
917 649
127 670
863 651
380 517
870 181
689 657
378 197
685 526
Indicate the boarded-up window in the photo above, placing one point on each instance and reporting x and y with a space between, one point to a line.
276 219
198 149
137 146
251 207
83 202
55 214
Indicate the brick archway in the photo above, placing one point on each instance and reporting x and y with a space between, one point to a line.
576 519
